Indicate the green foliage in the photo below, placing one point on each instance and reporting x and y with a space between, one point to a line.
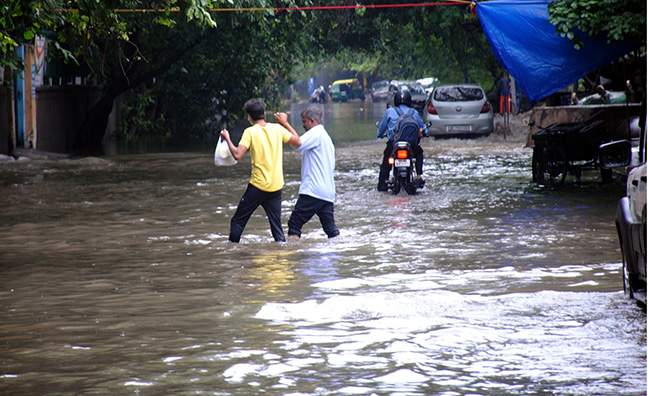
180 65
444 42
139 116
21 21
248 55
616 20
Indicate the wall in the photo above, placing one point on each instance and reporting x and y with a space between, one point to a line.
59 113
5 119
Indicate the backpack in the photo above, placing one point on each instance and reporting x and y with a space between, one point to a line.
407 129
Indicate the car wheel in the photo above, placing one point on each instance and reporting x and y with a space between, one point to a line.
627 283
625 273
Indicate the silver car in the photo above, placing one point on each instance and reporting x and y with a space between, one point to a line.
459 110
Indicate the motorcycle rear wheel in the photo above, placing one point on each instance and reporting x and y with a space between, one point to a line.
410 188
396 187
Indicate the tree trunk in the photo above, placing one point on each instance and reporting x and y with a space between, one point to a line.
89 137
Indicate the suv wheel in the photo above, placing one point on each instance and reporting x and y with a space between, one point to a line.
627 282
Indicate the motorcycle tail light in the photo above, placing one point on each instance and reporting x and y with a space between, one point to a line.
390 161
431 109
486 108
402 154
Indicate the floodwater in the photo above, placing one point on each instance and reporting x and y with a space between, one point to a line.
116 278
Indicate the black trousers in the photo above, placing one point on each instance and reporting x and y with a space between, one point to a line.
383 175
251 199
308 206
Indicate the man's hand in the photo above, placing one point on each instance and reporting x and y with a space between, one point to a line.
282 118
225 135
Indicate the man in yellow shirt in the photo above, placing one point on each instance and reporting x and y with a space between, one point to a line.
265 142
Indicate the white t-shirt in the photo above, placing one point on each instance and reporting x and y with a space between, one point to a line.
318 164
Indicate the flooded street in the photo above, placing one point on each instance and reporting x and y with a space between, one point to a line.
116 277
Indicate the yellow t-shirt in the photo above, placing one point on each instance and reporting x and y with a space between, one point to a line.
266 150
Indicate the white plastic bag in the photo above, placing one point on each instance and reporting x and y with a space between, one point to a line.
222 155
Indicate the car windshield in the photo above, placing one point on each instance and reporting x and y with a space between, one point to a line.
458 94
417 89
380 85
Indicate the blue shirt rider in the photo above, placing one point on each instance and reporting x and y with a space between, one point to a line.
386 127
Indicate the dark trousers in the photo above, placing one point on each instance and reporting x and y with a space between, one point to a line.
383 176
251 199
308 206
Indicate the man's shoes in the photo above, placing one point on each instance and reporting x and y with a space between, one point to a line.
382 187
419 182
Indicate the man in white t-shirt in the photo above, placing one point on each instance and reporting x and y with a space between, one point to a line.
317 189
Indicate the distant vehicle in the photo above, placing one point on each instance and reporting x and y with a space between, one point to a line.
344 90
460 110
428 84
418 95
415 89
631 216
380 90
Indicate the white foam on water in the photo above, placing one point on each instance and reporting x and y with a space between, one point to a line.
401 377
237 372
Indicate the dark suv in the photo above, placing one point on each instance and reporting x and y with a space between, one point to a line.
631 215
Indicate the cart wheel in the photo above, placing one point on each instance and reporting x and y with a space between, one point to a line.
537 173
549 166
557 167
606 175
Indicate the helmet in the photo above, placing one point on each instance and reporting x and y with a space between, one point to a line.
402 96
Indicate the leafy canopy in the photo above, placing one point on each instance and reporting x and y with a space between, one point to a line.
615 19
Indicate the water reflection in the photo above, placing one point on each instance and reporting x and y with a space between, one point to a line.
272 271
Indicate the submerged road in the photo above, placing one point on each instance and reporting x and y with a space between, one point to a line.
116 277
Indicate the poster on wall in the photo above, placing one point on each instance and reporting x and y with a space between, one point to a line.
38 67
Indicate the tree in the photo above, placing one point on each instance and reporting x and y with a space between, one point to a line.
241 59
615 20
120 48
445 42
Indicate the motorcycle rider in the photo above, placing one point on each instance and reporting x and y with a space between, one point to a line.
386 128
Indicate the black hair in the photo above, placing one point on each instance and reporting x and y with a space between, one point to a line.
255 109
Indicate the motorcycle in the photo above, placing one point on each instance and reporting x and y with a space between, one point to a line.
402 171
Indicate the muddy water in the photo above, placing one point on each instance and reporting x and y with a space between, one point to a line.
116 277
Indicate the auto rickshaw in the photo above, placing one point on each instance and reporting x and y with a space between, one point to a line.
343 90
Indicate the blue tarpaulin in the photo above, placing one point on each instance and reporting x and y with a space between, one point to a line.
531 50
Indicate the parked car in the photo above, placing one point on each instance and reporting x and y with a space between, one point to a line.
428 84
631 216
380 90
343 90
460 110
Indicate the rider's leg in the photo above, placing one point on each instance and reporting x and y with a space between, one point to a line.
383 175
418 154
